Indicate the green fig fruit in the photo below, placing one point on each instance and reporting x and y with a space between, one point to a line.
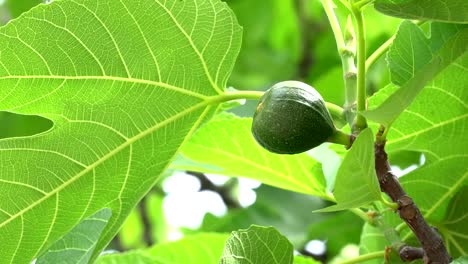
291 118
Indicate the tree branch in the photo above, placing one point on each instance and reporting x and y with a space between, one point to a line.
306 27
431 241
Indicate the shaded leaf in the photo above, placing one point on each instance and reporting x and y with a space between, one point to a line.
461 260
259 245
455 11
412 67
404 159
272 208
378 238
14 125
17 7
78 245
455 225
123 95
334 233
229 146
202 248
373 240
356 182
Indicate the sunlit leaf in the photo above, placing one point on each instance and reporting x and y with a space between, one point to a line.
125 83
414 61
229 147
201 248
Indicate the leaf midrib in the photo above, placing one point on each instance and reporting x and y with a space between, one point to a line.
110 78
115 151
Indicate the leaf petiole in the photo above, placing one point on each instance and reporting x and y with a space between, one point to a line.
362 258
393 206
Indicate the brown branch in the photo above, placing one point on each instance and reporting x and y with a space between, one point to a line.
225 191
431 241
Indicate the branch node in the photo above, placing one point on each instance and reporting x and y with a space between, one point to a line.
408 253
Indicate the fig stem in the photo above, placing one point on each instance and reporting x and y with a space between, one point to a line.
337 113
339 137
365 257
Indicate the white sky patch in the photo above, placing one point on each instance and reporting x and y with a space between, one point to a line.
247 197
188 209
181 182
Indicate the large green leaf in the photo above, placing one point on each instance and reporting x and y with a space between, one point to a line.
201 248
435 122
125 83
259 245
356 182
228 147
447 10
78 245
438 130
414 61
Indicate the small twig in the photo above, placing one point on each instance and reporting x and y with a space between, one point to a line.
224 191
116 243
408 253
431 241
147 226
